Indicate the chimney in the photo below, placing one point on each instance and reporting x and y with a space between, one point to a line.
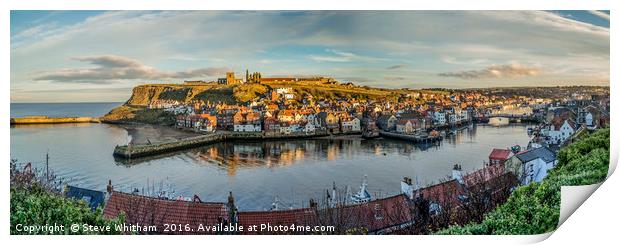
231 200
232 209
407 187
457 173
313 204
109 188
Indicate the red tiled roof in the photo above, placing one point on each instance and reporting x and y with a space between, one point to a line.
484 174
375 215
143 210
300 217
501 154
444 194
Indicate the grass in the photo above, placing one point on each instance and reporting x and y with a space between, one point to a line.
535 208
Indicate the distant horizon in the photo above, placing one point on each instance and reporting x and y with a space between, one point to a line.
387 49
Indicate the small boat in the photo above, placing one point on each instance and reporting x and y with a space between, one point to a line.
370 134
530 131
363 196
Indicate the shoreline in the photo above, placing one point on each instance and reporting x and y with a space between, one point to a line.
52 120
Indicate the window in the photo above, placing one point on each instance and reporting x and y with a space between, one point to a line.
87 198
378 212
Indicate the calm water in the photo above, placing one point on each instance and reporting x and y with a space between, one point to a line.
256 172
62 109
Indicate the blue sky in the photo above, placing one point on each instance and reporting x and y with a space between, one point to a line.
76 56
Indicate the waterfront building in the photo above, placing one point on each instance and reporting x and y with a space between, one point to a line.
247 122
439 118
408 126
452 118
225 117
286 115
351 124
387 122
308 128
271 124
206 122
329 121
498 156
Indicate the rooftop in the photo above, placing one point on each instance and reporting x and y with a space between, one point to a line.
144 210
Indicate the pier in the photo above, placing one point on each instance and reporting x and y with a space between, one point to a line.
132 151
52 120
412 138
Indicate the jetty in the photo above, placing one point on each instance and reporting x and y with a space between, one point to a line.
132 151
52 120
411 137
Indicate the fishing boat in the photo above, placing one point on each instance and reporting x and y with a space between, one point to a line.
363 196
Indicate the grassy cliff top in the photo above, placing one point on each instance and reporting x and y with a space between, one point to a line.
143 95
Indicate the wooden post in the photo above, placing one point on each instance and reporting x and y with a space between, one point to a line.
47 166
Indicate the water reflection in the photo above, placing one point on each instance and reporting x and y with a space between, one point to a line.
256 172
231 156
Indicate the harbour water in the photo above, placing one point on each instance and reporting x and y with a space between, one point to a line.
256 172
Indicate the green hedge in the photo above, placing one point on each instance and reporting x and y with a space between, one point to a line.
37 206
535 208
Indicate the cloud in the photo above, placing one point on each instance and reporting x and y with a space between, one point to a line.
392 78
341 56
110 68
396 67
600 14
334 43
495 71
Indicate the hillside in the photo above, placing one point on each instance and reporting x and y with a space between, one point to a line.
535 208
143 95
134 110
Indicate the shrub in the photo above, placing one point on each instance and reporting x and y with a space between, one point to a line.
535 208
35 201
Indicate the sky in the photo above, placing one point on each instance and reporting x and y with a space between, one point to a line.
98 56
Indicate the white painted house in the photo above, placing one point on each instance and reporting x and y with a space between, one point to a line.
439 117
351 125
559 132
532 165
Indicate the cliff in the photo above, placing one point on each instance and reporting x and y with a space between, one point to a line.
134 110
143 95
